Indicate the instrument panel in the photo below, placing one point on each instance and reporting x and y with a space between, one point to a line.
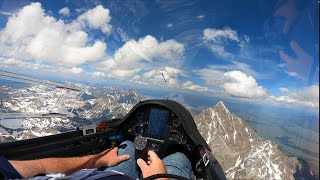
159 124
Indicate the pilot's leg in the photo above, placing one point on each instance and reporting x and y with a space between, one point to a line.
127 167
178 164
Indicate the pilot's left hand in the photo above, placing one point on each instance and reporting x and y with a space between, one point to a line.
110 158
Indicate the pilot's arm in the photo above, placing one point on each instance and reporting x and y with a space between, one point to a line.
31 168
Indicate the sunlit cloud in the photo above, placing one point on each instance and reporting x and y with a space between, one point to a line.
96 18
142 56
45 38
308 96
233 83
76 70
65 11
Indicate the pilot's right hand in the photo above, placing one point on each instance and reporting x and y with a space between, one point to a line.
153 166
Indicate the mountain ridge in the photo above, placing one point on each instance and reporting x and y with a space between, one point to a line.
240 151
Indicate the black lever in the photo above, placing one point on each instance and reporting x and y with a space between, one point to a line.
141 150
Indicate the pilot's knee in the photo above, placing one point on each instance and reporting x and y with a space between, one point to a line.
178 164
180 156
177 158
126 145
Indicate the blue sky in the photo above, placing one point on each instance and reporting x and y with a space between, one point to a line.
264 51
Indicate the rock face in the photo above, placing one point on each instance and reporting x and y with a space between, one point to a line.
240 151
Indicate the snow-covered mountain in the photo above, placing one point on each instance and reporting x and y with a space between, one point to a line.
95 104
241 152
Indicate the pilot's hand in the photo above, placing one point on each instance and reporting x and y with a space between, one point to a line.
153 166
110 158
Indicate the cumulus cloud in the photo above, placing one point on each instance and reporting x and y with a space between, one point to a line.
143 55
32 34
240 85
308 96
96 18
65 11
234 83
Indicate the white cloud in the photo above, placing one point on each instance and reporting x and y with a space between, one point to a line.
284 90
219 50
240 85
190 86
7 13
79 10
146 54
220 35
167 76
245 41
294 74
45 38
211 76
98 74
234 83
169 25
96 18
65 11
218 39
308 96
20 64
76 70
124 37
11 62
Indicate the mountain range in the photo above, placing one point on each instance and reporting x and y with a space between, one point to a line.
240 151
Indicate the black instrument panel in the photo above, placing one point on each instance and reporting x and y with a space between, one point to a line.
159 124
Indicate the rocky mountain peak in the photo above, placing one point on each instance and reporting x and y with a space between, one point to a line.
241 152
221 108
220 104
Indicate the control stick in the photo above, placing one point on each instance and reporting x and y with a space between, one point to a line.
141 150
